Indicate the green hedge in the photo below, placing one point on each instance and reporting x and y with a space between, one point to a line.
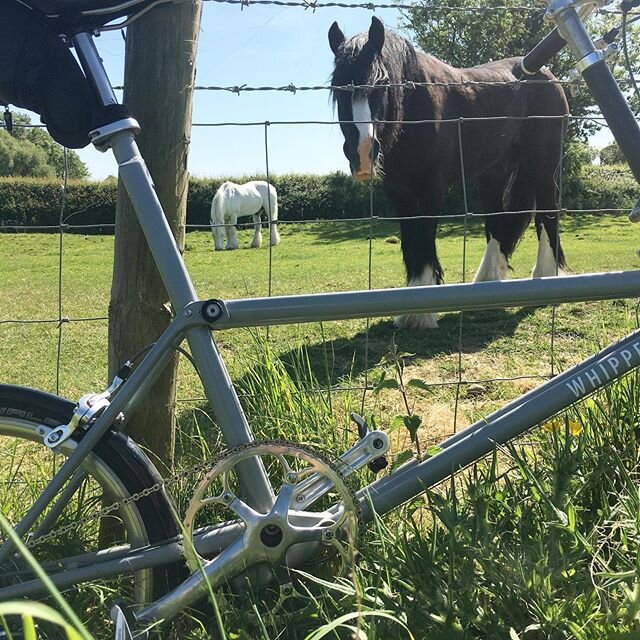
601 187
300 197
38 202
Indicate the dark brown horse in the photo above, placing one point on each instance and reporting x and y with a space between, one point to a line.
513 159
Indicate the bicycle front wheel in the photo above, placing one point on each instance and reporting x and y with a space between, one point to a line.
80 525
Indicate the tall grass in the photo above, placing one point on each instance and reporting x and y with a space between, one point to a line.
540 540
20 618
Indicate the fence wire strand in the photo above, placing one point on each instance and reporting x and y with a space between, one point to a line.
372 6
463 179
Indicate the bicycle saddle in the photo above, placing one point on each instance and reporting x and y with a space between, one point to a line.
80 14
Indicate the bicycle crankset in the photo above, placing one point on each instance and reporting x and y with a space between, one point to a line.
313 518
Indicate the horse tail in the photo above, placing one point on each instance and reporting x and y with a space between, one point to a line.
216 215
506 228
272 200
519 195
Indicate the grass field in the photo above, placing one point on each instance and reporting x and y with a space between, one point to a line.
541 542
311 258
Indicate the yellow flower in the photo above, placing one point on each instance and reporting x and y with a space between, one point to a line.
557 424
552 425
575 428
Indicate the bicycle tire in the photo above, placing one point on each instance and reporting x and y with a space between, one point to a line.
116 466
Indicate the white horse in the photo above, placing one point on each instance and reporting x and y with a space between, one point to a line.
232 201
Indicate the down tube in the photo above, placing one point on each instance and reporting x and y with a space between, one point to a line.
480 438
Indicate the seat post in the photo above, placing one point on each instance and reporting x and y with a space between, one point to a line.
93 69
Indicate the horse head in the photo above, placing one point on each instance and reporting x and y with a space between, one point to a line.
359 61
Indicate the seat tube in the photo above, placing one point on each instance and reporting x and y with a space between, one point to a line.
213 373
216 381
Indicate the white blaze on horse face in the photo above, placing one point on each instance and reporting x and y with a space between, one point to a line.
494 264
362 118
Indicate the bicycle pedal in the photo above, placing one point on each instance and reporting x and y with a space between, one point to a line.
361 423
378 464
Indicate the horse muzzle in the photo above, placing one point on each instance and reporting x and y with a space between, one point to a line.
367 153
363 176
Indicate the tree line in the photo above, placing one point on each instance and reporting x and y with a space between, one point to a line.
29 151
462 39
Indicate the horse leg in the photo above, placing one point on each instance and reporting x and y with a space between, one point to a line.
218 235
504 230
550 260
232 232
493 265
274 236
256 243
421 264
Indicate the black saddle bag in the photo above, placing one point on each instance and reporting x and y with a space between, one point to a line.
38 72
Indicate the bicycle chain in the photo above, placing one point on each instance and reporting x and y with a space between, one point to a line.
186 473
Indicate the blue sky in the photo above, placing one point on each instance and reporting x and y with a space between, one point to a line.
257 46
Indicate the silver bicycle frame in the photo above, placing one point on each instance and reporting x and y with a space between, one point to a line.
386 493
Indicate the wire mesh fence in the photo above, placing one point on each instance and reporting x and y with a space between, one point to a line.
458 373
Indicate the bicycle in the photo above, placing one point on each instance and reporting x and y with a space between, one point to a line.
300 505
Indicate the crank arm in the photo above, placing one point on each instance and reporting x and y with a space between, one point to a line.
369 448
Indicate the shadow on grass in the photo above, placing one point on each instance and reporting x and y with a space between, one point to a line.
331 231
336 360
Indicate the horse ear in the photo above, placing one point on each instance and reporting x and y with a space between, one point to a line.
336 37
376 34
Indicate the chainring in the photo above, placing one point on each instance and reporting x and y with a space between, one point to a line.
314 516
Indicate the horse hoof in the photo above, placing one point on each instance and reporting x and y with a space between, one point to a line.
231 248
548 273
417 321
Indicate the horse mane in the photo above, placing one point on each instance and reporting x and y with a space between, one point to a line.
357 62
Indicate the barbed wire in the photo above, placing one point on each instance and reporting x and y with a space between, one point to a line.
407 84
373 6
